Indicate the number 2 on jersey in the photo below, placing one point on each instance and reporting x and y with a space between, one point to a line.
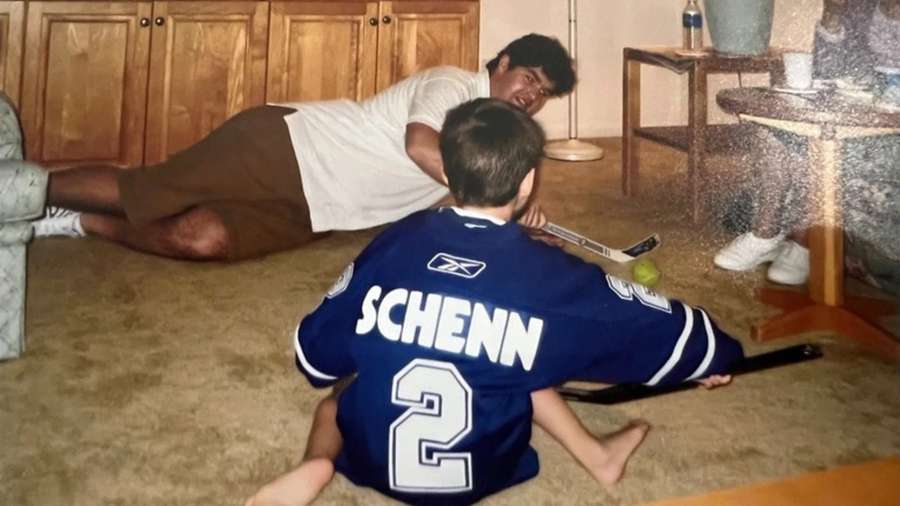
439 417
629 291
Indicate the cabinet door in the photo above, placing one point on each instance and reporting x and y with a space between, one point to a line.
322 51
207 62
12 20
84 82
417 34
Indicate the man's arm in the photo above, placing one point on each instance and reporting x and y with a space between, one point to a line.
423 148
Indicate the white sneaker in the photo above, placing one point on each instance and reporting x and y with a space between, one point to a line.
791 266
747 251
59 221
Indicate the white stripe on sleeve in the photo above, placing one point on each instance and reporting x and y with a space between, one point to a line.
679 347
710 348
305 363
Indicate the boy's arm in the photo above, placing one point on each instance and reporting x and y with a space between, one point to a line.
322 339
627 333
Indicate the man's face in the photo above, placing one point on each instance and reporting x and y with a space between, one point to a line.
525 87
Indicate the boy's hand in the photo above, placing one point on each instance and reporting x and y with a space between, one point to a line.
533 217
716 380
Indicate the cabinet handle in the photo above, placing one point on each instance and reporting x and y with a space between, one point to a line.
386 20
145 21
373 21
160 21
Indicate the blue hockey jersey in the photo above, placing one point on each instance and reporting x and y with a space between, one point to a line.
449 320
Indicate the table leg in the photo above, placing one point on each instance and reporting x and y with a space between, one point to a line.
826 237
631 119
825 309
696 135
819 318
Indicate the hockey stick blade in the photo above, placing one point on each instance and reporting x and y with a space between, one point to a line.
626 255
632 392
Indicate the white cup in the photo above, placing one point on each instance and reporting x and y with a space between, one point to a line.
798 70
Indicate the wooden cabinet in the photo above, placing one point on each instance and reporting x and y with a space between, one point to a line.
416 35
11 28
92 68
85 82
322 50
207 63
129 83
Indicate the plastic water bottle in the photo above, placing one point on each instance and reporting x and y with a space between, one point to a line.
692 23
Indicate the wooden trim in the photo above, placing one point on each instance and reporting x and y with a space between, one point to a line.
11 57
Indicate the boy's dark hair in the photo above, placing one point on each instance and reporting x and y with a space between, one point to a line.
488 146
535 50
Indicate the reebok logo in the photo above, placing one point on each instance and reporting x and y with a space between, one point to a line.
457 266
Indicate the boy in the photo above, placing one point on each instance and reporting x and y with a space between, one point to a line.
454 320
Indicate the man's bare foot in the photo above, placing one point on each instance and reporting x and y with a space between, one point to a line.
296 488
614 451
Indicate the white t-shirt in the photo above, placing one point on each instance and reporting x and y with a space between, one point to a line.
352 155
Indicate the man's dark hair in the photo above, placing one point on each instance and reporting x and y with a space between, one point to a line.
488 146
535 50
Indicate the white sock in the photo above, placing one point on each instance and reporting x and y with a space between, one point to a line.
59 222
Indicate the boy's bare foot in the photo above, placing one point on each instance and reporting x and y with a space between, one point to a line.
615 449
716 380
296 488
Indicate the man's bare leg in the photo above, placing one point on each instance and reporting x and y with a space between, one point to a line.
605 457
302 485
196 234
92 189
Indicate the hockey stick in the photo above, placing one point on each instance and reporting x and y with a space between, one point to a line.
617 255
632 392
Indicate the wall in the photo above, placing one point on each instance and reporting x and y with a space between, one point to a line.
604 28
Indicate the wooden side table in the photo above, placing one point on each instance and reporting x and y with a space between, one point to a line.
697 137
826 120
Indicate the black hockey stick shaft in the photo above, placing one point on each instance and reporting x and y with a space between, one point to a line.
631 392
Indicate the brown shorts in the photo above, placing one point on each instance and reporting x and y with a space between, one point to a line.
245 171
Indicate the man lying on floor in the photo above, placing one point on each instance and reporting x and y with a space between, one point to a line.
276 177
450 328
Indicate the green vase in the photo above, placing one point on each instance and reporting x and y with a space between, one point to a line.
740 27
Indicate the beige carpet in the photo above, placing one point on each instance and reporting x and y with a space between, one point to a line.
154 382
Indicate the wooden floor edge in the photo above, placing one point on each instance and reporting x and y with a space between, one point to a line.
872 483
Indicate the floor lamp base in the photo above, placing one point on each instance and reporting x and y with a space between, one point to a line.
573 150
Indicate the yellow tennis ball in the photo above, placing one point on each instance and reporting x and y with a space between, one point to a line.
645 272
